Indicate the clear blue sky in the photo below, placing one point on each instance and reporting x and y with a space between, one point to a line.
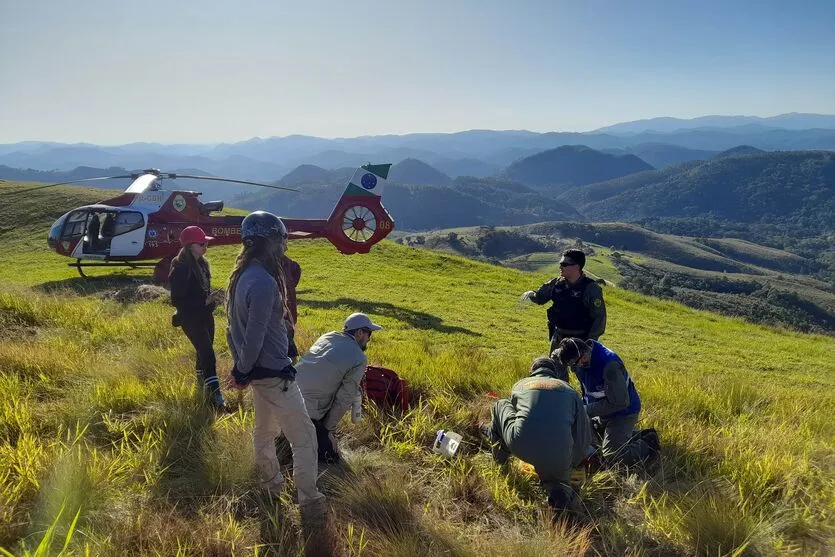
108 71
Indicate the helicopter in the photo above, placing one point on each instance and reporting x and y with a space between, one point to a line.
141 226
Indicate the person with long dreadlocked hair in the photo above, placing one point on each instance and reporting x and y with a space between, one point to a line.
257 336
190 279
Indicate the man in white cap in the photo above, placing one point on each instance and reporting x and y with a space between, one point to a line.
329 376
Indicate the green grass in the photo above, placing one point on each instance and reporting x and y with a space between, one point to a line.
599 265
103 447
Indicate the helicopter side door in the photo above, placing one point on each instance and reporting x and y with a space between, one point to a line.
128 235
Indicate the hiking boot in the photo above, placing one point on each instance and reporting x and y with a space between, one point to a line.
650 437
563 503
318 530
218 404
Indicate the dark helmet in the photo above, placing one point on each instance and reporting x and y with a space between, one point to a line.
261 224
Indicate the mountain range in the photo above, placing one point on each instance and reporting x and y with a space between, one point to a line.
791 121
478 153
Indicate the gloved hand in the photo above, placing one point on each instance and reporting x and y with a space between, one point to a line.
527 296
598 425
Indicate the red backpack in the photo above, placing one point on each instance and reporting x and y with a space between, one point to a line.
385 387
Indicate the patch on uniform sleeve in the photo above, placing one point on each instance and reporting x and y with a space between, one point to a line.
598 302
543 384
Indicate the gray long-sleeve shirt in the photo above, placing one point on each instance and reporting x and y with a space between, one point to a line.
329 376
256 332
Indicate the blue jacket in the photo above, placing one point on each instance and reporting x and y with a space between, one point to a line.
602 382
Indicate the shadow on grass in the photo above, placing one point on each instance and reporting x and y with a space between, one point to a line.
95 285
416 319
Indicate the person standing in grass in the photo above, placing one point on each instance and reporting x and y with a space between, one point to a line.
190 280
610 398
577 308
257 336
543 423
329 376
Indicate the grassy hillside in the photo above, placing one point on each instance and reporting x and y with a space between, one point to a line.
99 423
734 277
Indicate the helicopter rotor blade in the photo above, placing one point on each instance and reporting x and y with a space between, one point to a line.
216 179
27 190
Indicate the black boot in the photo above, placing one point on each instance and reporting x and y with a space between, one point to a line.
328 454
563 502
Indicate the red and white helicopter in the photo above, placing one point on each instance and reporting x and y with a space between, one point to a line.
143 224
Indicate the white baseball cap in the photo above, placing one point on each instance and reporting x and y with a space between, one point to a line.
360 321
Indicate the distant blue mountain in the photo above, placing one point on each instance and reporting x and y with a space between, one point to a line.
474 152
792 121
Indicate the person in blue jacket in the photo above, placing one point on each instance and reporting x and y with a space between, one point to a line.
611 399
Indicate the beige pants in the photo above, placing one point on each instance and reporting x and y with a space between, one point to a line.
277 410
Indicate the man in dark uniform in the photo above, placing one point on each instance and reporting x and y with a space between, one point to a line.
578 309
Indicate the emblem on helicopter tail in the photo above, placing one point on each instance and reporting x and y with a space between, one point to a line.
368 181
152 233
179 203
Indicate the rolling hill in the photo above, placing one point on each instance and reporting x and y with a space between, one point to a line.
106 449
467 202
792 121
417 173
661 155
735 277
738 150
796 188
572 165
309 174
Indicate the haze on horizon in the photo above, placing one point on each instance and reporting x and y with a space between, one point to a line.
111 73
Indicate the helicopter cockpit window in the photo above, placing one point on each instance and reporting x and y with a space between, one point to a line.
75 225
127 221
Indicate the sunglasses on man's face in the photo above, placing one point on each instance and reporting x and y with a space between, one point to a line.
566 264
369 331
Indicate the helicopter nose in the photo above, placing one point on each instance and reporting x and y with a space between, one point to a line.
54 233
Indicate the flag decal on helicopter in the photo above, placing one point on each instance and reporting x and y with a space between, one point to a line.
369 179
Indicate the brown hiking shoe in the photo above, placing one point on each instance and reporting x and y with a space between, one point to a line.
318 530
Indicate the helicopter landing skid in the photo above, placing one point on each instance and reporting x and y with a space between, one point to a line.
133 265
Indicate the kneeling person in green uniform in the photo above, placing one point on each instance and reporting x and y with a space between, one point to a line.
543 423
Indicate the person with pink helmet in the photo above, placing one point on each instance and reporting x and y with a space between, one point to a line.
190 279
